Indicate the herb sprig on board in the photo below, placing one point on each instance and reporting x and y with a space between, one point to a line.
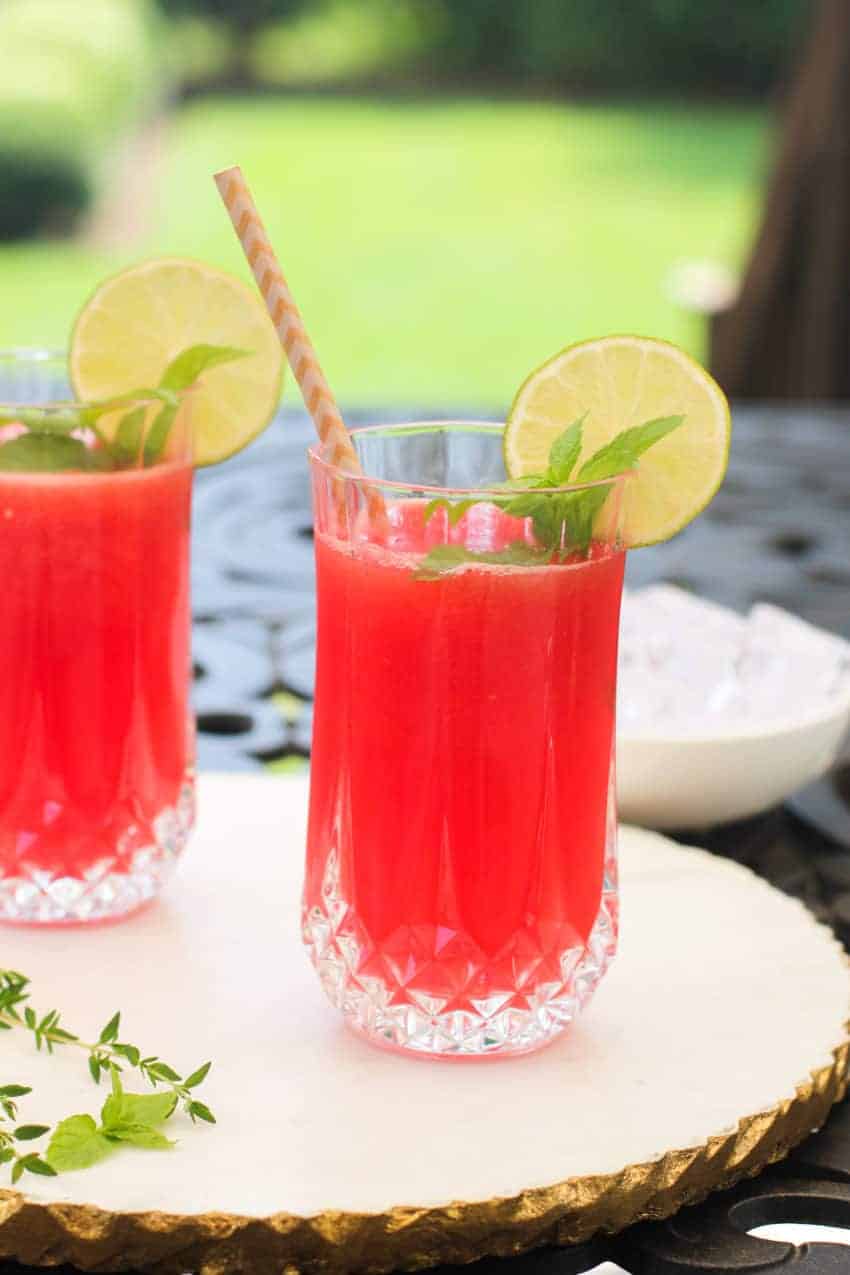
52 443
130 1118
562 521
22 1160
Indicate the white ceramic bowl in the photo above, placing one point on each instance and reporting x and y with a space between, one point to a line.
722 716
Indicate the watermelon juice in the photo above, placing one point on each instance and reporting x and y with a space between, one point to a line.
95 746
460 894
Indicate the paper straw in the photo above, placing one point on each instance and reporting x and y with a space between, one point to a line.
318 398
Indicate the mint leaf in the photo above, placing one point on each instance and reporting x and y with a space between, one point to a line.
77 1143
564 453
567 520
624 450
140 1135
455 510
616 457
579 510
92 412
44 420
182 372
128 437
50 454
191 363
158 434
445 558
123 1109
440 559
522 506
517 554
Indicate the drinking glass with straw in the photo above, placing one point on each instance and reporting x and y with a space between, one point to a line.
461 893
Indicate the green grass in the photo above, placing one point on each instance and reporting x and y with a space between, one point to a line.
439 250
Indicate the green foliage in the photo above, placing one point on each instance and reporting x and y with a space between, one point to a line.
625 45
655 46
198 50
240 21
234 12
343 41
483 237
40 189
75 76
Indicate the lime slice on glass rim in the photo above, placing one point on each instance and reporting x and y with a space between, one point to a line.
139 320
619 382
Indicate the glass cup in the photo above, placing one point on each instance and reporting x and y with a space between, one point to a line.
96 736
461 884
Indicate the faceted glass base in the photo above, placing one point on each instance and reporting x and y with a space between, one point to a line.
110 887
434 993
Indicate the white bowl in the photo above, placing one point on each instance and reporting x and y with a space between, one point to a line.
722 716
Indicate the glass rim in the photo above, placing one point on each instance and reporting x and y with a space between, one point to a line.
32 354
409 428
10 407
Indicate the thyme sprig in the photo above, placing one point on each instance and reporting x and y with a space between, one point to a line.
12 1133
107 1056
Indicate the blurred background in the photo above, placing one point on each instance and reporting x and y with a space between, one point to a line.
457 188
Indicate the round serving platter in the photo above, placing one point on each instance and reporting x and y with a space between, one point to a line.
717 1042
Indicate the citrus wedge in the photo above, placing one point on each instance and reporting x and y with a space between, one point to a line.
139 320
619 382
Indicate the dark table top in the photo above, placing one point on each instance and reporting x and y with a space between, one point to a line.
779 531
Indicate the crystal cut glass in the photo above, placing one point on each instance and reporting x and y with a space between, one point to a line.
96 733
461 886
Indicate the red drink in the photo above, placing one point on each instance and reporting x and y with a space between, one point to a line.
95 752
461 819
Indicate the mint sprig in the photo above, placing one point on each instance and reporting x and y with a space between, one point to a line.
50 447
50 453
125 1118
563 521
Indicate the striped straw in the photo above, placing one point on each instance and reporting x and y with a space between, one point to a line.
319 400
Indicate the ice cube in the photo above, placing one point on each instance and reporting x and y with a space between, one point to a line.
689 666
